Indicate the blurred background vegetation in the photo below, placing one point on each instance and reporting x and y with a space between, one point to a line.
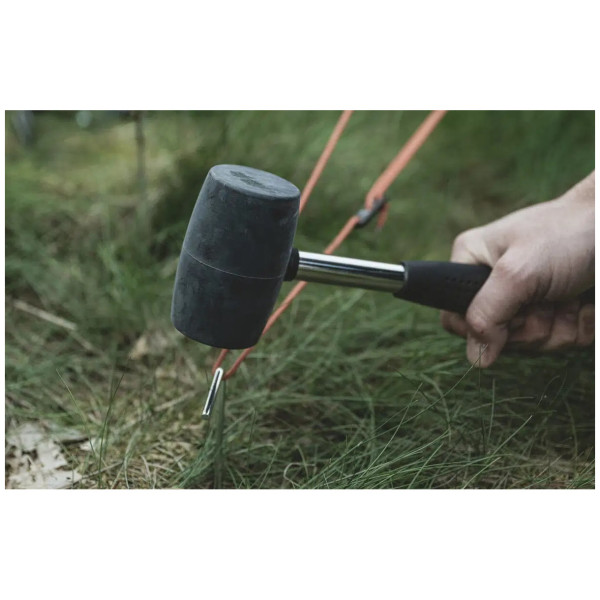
350 388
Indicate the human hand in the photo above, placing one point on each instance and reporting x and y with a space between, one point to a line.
542 258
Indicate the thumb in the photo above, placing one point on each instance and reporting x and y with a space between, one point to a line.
508 287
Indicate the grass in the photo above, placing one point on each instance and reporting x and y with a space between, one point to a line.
351 389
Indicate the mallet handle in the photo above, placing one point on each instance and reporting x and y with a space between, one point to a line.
442 285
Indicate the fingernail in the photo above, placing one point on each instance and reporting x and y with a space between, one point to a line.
477 353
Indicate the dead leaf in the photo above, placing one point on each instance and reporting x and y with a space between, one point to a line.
36 460
25 437
50 456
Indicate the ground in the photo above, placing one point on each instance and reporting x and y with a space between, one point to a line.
351 388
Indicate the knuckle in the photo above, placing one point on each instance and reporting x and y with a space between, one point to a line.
463 240
515 273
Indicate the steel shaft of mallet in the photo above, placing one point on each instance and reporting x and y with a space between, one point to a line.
350 272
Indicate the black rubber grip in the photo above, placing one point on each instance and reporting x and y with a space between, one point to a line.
444 285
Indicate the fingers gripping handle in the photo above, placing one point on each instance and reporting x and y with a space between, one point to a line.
444 285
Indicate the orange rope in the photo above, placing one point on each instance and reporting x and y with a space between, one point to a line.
377 191
325 155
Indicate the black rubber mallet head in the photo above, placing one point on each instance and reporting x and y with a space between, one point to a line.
234 256
238 250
